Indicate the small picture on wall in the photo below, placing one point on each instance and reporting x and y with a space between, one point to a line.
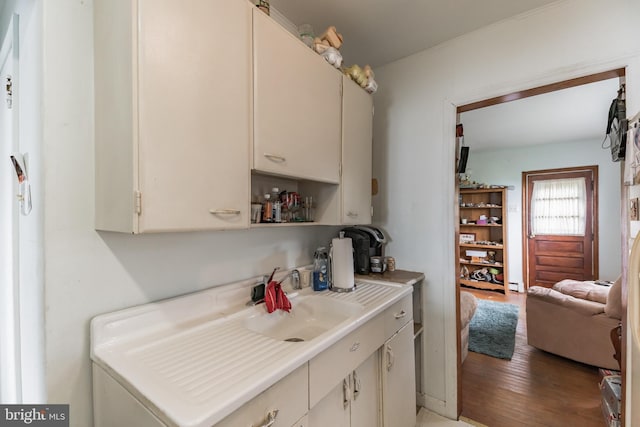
633 210
467 237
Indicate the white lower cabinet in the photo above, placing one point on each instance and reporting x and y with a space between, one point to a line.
284 404
354 402
398 379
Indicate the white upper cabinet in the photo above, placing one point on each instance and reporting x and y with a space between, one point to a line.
357 138
297 103
173 98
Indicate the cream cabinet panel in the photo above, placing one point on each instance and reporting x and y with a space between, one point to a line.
398 379
354 401
357 138
173 98
297 103
284 404
365 400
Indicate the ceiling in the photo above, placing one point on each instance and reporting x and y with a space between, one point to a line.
378 32
575 114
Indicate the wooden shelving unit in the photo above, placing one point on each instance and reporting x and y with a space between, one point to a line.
483 246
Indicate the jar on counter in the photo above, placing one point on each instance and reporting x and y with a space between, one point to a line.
376 264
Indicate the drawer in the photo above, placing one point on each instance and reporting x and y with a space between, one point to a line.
396 316
332 365
288 396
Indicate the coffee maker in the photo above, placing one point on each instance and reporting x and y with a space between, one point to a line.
367 241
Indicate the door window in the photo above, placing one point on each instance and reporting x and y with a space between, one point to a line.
558 207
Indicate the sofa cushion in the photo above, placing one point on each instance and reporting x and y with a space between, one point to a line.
613 307
468 305
583 290
581 306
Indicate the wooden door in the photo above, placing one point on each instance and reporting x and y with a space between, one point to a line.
551 256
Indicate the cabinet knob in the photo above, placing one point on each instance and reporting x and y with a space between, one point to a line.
354 347
352 214
275 157
225 211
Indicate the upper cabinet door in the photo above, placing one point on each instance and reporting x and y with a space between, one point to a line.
194 79
297 128
357 139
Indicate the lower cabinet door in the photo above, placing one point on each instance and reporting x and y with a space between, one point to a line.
333 409
355 402
365 386
398 379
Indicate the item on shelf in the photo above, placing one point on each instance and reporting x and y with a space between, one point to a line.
267 208
256 213
356 74
332 56
306 34
332 37
371 85
276 205
264 6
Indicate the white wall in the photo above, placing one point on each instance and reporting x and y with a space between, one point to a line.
30 252
414 137
88 273
505 167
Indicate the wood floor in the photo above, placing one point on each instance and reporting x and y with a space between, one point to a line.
534 388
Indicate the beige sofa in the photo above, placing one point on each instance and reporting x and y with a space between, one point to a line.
574 320
468 305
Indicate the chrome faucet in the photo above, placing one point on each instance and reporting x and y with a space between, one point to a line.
294 275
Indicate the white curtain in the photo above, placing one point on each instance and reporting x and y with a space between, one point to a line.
558 207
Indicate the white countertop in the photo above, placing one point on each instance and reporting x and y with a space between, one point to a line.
192 361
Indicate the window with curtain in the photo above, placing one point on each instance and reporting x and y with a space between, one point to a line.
558 207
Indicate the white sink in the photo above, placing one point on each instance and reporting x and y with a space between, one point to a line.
310 316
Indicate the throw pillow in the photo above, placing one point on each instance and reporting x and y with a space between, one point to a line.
613 307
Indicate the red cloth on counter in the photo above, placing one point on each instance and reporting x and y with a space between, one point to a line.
275 298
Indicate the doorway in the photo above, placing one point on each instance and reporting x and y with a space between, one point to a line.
618 75
560 232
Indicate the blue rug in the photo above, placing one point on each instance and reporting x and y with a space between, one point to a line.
492 330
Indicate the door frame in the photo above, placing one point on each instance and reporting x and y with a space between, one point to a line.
594 217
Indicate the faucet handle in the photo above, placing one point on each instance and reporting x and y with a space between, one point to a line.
295 279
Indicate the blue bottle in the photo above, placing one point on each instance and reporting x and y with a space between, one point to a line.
320 269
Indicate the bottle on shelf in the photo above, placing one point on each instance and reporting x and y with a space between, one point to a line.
267 208
276 205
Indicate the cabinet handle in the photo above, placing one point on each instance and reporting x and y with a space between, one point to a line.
352 214
225 211
275 158
346 393
400 315
356 385
390 357
354 347
271 418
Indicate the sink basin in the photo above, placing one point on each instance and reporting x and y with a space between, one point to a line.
310 316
